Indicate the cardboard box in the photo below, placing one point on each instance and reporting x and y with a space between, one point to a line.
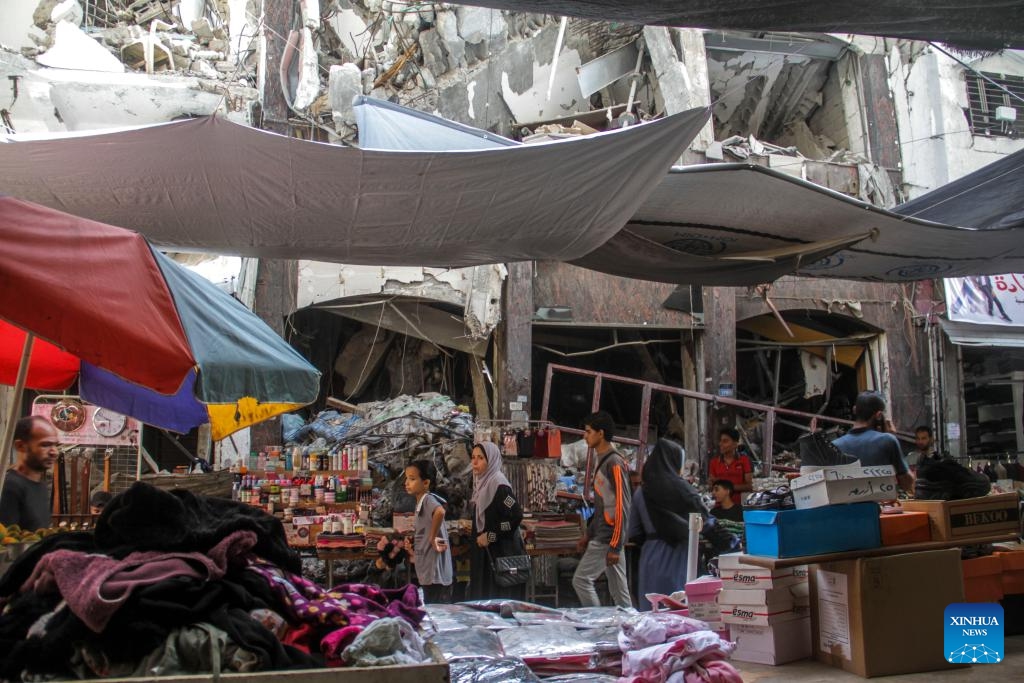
905 527
801 595
302 535
844 484
777 644
952 520
983 581
735 574
862 611
757 607
1012 572
795 533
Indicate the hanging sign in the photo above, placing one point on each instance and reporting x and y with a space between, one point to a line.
987 299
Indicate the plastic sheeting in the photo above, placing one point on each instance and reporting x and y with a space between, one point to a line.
736 224
468 643
549 640
501 670
987 24
988 198
210 185
458 618
386 126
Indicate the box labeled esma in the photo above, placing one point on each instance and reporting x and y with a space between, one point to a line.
844 484
862 611
952 520
794 533
736 574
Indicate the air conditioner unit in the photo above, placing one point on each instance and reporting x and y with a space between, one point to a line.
1006 114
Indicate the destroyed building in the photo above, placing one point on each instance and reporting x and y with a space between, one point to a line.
882 120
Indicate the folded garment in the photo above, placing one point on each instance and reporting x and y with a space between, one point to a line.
95 586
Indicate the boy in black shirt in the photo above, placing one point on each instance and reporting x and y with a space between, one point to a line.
724 508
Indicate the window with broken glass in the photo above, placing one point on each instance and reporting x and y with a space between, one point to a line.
996 104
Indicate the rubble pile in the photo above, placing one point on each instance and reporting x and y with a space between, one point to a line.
142 36
397 431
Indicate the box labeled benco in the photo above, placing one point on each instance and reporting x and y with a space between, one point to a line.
952 520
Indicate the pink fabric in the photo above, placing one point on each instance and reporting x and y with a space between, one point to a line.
334 643
95 586
654 628
673 659
713 671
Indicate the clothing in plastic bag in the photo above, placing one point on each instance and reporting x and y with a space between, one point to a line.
507 608
468 643
503 670
537 618
386 642
599 617
548 640
458 617
582 678
654 628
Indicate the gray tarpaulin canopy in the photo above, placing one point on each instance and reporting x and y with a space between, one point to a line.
991 197
986 24
212 185
740 224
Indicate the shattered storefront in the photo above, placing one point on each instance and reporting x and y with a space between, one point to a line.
399 330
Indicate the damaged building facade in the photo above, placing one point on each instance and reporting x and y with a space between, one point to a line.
881 120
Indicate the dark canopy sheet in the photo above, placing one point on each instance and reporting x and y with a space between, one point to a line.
736 224
991 197
986 24
211 185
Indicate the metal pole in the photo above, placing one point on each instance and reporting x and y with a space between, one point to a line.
692 542
12 418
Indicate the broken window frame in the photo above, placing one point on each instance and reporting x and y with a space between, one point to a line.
984 94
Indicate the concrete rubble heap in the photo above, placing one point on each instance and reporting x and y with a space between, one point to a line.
398 431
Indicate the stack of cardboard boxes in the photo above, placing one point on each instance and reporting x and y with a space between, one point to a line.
767 611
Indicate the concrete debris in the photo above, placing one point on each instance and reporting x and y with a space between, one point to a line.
397 431
345 83
73 49
68 10
477 24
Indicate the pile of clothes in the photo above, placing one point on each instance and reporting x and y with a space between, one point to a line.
175 583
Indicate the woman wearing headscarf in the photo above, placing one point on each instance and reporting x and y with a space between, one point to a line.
659 519
496 517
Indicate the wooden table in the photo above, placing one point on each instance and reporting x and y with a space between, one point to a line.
882 551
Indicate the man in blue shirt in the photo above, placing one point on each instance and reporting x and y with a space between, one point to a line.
870 443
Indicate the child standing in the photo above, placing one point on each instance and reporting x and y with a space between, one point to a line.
430 539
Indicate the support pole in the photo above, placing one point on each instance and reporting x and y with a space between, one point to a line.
12 417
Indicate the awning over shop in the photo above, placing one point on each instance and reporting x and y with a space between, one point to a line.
974 334
212 185
419 318
989 24
846 350
993 196
740 224
383 125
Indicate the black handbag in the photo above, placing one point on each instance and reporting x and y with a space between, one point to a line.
510 570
